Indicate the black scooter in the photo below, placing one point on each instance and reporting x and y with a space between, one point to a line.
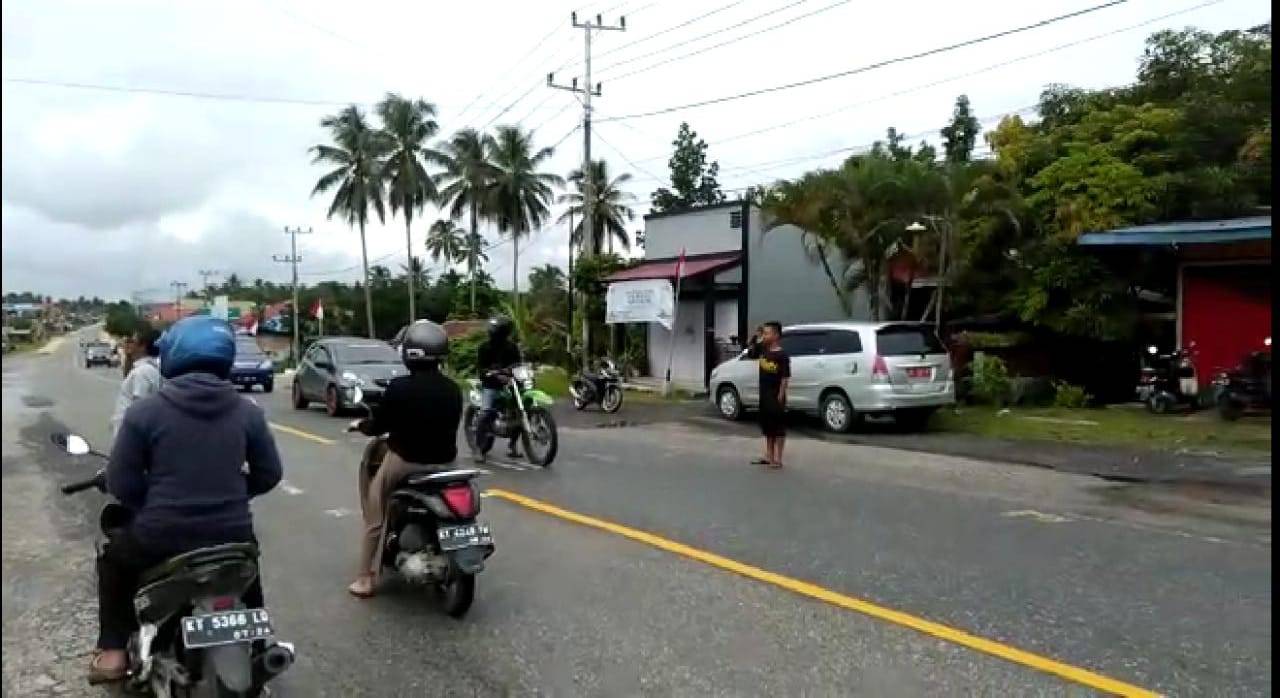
1246 387
1168 381
602 386
430 534
195 636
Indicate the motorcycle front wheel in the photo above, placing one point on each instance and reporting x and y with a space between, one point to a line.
481 446
612 400
541 445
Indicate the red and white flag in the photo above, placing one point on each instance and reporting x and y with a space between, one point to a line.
317 310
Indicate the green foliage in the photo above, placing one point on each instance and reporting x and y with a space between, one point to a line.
693 179
463 353
610 213
122 320
960 136
991 384
1089 190
1067 395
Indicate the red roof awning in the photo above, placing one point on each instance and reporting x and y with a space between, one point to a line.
666 268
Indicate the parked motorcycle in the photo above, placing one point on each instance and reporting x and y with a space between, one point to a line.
1246 387
524 412
195 636
430 535
1168 380
602 386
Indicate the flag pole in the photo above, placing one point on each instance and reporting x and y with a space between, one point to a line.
675 326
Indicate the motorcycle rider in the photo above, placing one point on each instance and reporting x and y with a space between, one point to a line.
178 465
419 413
496 355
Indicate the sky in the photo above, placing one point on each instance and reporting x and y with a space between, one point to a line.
121 191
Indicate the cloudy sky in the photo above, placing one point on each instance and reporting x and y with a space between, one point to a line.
122 190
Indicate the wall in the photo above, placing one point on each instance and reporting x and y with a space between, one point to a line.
786 286
686 365
1226 311
700 231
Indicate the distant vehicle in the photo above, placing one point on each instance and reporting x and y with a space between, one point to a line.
1247 387
841 371
252 366
99 354
334 367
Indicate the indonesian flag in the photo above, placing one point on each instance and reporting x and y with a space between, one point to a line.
317 310
680 265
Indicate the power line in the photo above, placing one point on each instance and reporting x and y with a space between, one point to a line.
873 66
182 93
663 32
625 159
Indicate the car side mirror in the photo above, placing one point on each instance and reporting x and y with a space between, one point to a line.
324 365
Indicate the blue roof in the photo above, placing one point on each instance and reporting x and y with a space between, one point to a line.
1184 232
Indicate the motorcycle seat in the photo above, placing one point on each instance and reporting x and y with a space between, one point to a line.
441 478
214 555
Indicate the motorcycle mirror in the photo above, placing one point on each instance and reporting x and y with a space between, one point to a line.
76 445
1152 350
357 396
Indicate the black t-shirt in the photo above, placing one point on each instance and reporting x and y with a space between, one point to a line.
775 366
420 412
496 356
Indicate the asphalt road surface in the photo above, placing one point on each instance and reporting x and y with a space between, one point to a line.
654 560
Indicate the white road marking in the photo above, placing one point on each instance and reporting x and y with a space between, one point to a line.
1037 515
339 512
288 488
601 457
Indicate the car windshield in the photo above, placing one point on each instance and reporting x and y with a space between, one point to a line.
905 340
370 353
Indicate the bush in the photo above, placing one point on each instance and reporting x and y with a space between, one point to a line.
462 353
1067 395
991 383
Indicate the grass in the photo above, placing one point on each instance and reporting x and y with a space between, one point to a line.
1199 431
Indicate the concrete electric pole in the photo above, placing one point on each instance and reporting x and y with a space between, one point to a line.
205 275
292 260
178 287
588 184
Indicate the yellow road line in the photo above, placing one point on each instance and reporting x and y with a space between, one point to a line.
302 434
1071 673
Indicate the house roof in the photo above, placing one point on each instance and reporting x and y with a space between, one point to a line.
735 203
694 265
1184 233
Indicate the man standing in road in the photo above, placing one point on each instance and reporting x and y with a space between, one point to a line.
143 378
775 375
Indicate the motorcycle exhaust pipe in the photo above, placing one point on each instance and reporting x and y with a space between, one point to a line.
274 660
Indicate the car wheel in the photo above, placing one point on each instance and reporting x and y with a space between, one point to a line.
729 403
331 403
837 413
300 402
268 386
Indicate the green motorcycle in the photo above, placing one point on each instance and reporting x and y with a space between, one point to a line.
524 412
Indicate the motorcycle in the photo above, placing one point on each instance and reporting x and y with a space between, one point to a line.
604 386
1246 387
524 412
195 636
1167 381
430 533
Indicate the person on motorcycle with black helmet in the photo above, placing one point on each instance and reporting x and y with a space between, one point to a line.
419 413
493 362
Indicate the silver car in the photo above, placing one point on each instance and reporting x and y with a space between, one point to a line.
843 370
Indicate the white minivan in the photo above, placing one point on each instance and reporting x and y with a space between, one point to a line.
841 370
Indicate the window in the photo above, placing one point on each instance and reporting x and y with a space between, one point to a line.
368 353
842 342
803 343
735 220
907 340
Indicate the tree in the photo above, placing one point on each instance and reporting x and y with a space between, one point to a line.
464 186
407 125
961 135
356 155
610 211
445 241
692 178
520 194
416 272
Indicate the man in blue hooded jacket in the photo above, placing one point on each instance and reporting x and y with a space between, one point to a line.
178 465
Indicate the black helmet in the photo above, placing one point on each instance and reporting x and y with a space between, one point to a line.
500 327
425 344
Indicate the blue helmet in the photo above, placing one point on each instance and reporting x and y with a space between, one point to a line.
198 344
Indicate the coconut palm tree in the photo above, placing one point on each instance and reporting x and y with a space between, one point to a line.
464 185
407 125
416 271
446 241
356 180
520 195
610 211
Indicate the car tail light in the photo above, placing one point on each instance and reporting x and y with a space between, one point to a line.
223 603
879 370
461 500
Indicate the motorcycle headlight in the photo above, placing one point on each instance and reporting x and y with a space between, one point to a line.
522 373
526 384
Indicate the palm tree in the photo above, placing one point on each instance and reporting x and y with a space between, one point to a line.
464 184
356 157
610 210
407 125
416 271
445 241
520 194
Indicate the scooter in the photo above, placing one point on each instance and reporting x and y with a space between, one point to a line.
1246 387
195 636
430 535
603 386
1167 381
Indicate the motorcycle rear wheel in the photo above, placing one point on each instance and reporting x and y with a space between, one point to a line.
459 593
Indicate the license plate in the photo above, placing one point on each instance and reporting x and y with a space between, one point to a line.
924 372
468 536
226 627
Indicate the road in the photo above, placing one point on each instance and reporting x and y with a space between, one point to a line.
654 560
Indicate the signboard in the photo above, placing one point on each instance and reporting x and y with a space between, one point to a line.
220 304
646 300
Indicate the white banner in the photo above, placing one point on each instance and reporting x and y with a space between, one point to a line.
647 300
221 307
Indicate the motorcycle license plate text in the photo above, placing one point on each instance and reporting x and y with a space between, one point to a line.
226 627
468 536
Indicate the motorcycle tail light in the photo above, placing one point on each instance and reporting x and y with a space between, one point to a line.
461 500
223 603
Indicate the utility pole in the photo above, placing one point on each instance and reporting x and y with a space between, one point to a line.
588 193
568 342
292 260
204 282
178 287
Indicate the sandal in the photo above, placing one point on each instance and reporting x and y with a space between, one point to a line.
99 675
762 461
362 588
